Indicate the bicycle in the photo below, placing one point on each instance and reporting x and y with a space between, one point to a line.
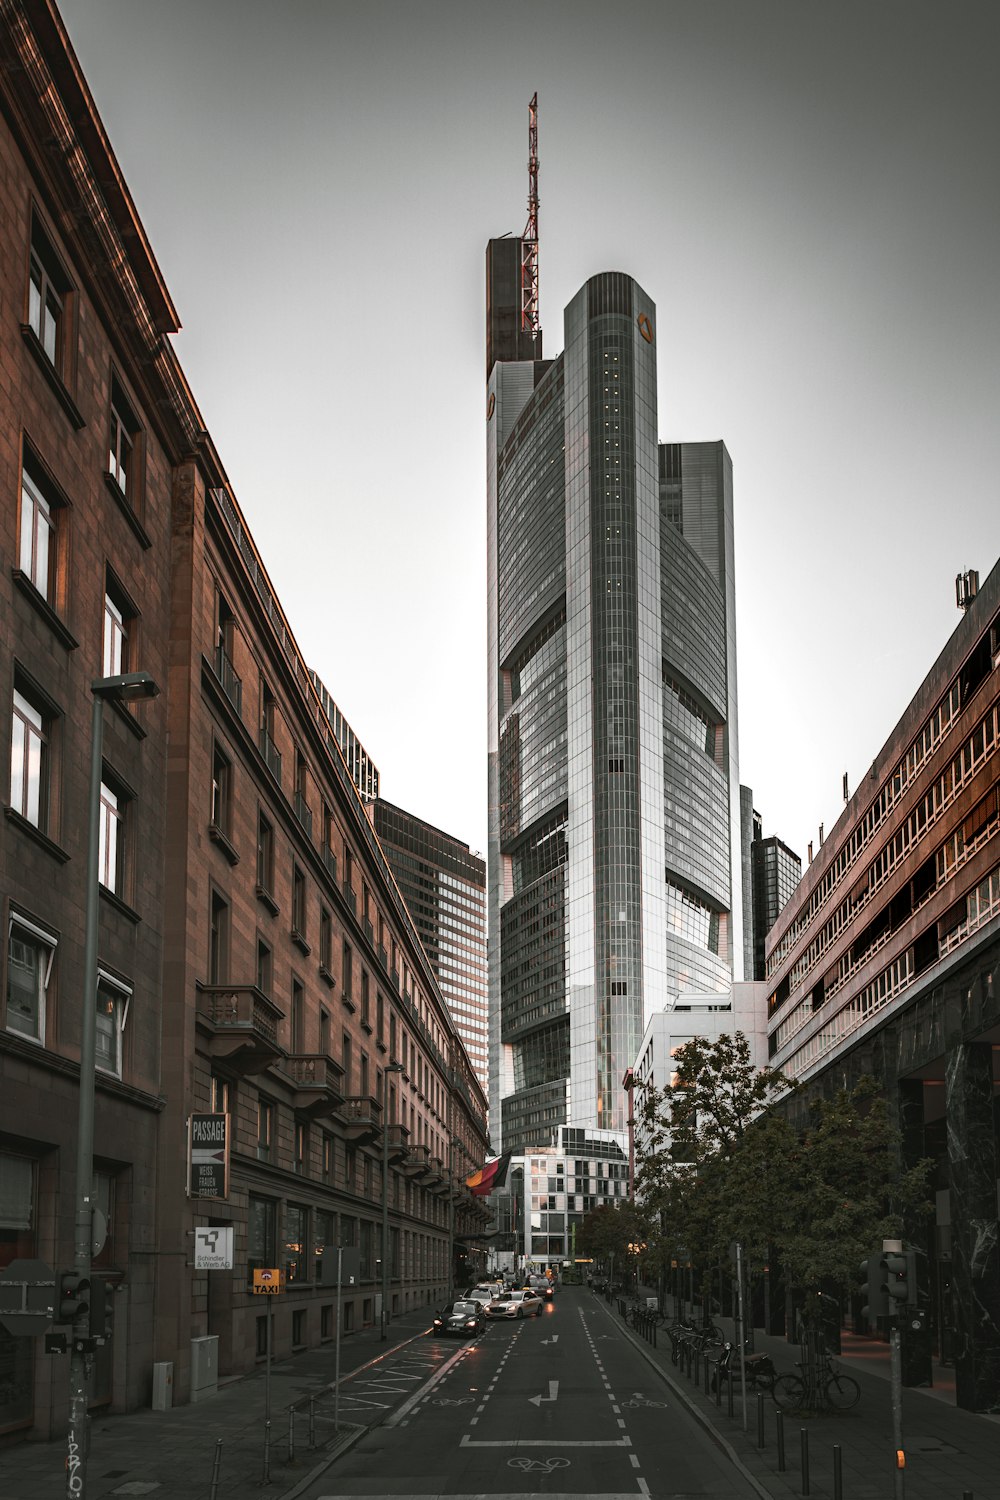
759 1368
821 1387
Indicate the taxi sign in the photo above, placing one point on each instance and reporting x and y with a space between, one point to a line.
267 1282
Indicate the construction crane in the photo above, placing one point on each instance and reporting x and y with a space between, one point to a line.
529 240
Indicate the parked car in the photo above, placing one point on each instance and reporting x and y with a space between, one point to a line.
521 1304
464 1318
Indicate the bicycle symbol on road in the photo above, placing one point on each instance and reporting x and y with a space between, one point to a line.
451 1400
530 1465
638 1399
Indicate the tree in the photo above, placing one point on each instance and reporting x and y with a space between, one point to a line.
609 1230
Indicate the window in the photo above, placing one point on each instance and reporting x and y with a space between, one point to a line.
329 1158
30 953
364 1075
218 941
29 760
347 976
222 792
116 636
365 1000
298 902
124 446
38 554
298 1327
324 1032
325 940
112 1010
265 1129
48 287
261 1237
268 748
265 968
111 836
297 1022
225 638
265 855
220 1096
345 1057
301 1161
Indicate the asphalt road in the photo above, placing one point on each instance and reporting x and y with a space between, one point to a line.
558 1405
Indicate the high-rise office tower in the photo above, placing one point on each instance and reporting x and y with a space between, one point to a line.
775 871
443 883
613 763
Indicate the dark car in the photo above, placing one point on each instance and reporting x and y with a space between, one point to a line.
541 1286
462 1318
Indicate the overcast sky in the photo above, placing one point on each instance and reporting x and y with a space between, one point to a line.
809 193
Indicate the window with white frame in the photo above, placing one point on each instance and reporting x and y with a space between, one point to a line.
113 999
124 445
29 773
111 839
47 288
37 556
116 623
30 954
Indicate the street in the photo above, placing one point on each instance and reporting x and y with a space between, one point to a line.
561 1404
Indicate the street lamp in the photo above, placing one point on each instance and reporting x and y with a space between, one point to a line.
453 1141
392 1067
124 688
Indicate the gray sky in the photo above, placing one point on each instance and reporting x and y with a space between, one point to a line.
808 191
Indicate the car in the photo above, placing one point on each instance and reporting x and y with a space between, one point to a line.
521 1304
542 1286
483 1294
464 1318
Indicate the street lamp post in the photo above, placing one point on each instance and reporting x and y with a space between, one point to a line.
392 1067
123 688
452 1143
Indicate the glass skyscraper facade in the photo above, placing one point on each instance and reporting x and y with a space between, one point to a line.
613 758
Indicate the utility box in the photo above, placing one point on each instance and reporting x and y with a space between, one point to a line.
204 1367
163 1386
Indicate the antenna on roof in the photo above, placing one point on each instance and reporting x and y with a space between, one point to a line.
529 240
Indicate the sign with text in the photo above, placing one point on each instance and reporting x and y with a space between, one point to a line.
267 1282
213 1249
208 1156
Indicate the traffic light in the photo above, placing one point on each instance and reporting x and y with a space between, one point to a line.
74 1297
876 1304
99 1320
899 1279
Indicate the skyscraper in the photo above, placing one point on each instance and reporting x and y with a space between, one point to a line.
613 757
443 883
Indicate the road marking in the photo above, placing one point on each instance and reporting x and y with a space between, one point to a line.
553 1340
624 1442
552 1396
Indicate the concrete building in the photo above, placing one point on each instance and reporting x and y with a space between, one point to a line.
614 841
255 959
884 962
443 883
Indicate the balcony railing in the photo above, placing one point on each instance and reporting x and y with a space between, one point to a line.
318 1083
242 1023
232 685
330 860
271 754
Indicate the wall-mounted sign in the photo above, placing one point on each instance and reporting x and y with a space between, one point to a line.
491 403
208 1156
645 327
213 1249
268 1282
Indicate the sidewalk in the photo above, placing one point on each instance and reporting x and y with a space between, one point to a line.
950 1454
171 1453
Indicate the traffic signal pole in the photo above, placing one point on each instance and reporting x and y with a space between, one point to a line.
896 1266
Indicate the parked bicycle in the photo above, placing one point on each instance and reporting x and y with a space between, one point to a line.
760 1371
820 1387
691 1338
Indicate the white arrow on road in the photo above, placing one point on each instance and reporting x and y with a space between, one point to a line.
552 1396
553 1340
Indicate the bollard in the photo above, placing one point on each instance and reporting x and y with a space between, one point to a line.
729 1393
213 1492
697 1369
779 1424
707 1374
312 1421
291 1434
804 1440
267 1454
838 1473
718 1386
760 1420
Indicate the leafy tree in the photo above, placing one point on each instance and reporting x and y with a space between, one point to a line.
609 1230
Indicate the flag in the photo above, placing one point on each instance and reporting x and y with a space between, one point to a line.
490 1176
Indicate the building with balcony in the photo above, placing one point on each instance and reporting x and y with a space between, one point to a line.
615 823
884 963
255 959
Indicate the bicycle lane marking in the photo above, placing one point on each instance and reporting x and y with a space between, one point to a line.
401 1416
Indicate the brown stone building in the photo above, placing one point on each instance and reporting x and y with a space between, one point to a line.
254 955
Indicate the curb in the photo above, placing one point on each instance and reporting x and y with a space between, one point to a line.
706 1425
316 1472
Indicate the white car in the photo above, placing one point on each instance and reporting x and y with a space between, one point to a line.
524 1304
483 1294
